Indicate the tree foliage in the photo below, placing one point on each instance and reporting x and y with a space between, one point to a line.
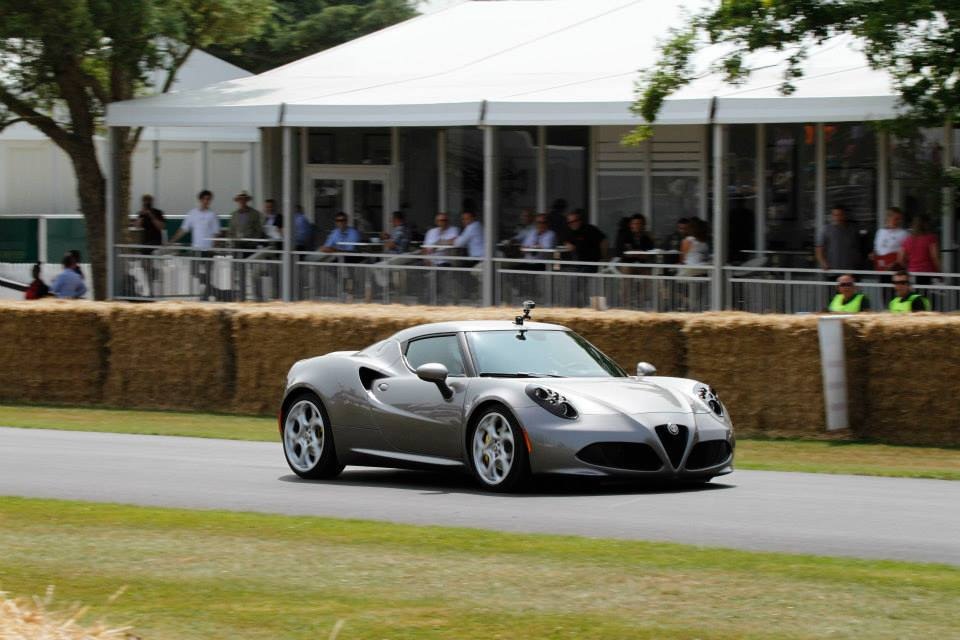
302 27
63 61
916 41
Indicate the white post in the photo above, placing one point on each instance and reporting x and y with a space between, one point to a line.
205 165
489 209
703 170
648 182
947 219
883 175
113 142
442 170
593 201
820 207
286 267
760 178
42 240
541 169
833 367
719 215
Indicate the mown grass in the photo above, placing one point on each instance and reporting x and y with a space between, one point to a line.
201 574
859 458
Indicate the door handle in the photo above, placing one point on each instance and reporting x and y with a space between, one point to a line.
383 386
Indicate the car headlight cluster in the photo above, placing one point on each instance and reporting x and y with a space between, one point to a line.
552 401
709 398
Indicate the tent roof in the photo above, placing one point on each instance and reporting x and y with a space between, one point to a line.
517 62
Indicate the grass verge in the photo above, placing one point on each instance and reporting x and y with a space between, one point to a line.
859 458
201 574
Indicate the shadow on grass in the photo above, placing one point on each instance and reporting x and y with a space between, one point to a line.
541 486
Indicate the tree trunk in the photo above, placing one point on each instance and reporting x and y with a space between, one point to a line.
92 191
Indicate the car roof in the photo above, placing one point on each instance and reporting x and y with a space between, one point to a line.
471 325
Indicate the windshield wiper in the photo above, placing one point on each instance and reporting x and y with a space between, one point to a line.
519 374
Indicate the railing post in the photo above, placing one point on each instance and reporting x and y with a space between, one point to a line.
286 267
489 209
719 216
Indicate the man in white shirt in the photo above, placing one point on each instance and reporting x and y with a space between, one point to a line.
472 236
888 241
203 225
541 236
443 233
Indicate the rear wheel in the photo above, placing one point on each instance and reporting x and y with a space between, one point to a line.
308 439
498 454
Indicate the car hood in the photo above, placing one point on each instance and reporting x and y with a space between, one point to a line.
622 395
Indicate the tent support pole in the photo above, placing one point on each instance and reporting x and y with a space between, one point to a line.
113 145
489 209
719 216
947 219
286 268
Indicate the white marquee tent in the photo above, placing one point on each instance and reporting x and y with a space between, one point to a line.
520 62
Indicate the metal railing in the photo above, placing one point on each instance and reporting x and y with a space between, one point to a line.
638 286
388 278
782 290
147 272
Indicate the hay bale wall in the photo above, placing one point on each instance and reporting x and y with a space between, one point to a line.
52 351
765 368
170 356
906 379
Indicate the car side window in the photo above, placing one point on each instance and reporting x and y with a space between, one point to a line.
442 349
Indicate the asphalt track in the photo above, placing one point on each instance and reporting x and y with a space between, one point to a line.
892 518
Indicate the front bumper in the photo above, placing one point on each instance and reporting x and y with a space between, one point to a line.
703 446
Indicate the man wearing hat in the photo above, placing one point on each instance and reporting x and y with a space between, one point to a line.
245 221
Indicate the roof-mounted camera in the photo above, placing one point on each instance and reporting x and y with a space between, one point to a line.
528 305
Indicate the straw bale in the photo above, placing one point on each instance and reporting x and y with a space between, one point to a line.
907 390
766 369
52 351
171 356
268 339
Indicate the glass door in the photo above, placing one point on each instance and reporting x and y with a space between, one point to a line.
363 193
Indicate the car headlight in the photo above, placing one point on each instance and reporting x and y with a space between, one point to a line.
552 401
709 399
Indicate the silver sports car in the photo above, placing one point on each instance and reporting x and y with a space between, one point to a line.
501 400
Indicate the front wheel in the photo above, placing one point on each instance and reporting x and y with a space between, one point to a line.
498 455
308 439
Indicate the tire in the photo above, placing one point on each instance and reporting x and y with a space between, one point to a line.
496 450
307 438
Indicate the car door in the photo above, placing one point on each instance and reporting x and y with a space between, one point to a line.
411 413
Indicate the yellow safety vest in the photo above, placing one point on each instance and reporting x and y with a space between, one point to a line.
901 305
851 306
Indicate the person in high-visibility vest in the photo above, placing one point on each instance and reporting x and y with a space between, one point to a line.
907 300
847 298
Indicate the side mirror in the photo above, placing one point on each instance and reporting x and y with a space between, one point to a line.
437 374
645 369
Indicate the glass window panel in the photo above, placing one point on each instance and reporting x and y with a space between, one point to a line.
851 170
791 186
674 197
916 173
567 164
517 150
348 146
741 190
464 172
620 196
418 189
368 206
329 198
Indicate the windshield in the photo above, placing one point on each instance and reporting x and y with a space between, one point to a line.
538 354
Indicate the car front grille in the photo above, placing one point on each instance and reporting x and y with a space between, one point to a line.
634 456
708 454
674 443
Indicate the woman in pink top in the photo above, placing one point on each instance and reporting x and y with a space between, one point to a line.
920 252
